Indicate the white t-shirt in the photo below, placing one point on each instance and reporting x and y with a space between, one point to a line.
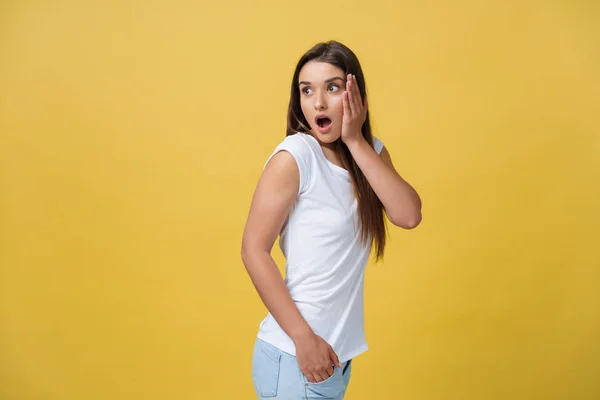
325 258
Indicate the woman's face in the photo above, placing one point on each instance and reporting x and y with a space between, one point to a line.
321 91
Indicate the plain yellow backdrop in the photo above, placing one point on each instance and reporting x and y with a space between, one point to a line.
132 135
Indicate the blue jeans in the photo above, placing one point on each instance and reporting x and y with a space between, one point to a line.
276 375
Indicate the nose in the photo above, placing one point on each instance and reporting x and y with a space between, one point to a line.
320 100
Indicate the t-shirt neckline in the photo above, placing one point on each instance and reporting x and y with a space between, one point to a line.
336 168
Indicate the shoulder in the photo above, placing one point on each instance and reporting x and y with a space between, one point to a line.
299 141
299 147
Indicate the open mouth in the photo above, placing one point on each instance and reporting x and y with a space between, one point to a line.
323 122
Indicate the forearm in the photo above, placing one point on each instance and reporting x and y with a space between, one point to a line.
273 292
400 200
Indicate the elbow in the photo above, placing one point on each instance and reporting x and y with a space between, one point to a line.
414 222
245 254
249 253
407 221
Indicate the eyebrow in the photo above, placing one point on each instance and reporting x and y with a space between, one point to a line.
335 78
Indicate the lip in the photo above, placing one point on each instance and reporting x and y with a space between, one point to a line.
325 129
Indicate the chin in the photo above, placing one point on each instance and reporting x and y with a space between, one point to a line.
327 138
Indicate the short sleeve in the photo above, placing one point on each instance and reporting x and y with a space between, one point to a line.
301 152
377 145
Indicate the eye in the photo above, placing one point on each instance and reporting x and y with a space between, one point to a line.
306 90
333 87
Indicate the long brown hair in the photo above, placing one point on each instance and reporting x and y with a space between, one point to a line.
370 209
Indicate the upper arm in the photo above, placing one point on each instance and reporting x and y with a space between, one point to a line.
275 194
385 156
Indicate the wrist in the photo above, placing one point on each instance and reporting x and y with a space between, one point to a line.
302 334
355 143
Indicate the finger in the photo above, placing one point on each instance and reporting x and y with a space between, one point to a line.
350 97
316 378
329 370
334 358
310 377
357 106
346 104
323 376
347 95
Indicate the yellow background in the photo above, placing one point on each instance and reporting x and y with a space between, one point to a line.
132 135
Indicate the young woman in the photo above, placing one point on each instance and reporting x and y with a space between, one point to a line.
325 191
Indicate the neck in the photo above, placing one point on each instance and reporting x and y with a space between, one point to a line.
330 151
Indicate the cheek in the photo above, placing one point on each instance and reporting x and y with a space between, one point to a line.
336 105
306 110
